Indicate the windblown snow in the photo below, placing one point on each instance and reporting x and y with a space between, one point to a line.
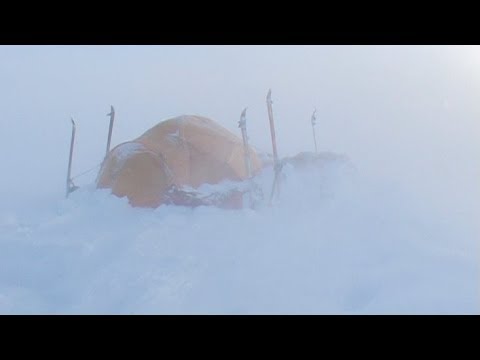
329 245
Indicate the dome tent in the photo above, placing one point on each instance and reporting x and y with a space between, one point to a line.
169 161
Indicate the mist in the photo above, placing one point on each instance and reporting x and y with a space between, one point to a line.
406 117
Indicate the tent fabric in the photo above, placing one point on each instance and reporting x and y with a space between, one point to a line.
183 152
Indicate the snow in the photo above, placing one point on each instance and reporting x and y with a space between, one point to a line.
126 150
333 243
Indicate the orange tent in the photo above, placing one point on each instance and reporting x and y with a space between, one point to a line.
166 162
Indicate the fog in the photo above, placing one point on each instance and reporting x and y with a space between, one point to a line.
406 116
407 112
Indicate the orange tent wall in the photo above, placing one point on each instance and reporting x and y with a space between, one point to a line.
185 151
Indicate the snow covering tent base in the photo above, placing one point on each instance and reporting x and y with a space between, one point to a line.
168 162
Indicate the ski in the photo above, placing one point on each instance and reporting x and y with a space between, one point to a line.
314 122
70 185
272 126
112 118
242 124
276 164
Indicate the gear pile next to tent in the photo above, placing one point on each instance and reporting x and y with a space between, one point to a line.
169 161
